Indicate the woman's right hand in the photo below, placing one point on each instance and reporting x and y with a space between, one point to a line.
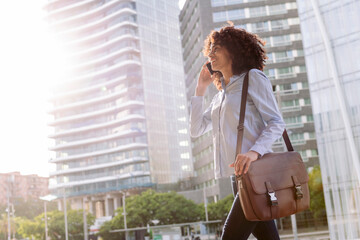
204 80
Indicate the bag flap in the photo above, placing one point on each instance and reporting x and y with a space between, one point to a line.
278 169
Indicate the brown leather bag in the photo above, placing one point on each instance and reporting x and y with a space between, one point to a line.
276 185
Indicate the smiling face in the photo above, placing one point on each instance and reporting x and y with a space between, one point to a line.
219 57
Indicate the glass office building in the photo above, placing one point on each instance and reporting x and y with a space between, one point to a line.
331 38
120 119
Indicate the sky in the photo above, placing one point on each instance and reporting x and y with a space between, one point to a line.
30 63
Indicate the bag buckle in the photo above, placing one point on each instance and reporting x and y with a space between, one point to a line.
273 199
298 192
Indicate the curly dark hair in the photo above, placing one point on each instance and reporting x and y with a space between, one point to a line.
246 49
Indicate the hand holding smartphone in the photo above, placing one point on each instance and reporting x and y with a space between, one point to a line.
210 68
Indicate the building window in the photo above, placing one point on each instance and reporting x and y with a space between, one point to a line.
228 15
217 3
277 9
291 103
260 27
258 11
310 118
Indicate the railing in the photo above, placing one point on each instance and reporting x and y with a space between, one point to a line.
280 27
261 30
283 43
294 125
289 92
285 59
281 11
286 75
291 109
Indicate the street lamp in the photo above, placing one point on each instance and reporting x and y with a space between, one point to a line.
47 198
155 222
124 213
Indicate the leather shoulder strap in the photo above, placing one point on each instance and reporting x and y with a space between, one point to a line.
242 119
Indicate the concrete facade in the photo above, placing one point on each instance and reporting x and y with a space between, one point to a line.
21 186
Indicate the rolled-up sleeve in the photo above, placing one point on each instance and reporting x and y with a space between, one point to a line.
260 91
200 120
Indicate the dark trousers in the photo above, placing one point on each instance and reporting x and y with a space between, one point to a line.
237 227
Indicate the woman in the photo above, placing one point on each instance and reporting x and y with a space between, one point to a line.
234 52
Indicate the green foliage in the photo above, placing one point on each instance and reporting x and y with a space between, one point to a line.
56 224
107 227
168 208
317 202
220 209
29 209
75 224
32 228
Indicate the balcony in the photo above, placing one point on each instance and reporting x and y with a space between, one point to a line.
289 92
279 60
73 4
96 113
122 120
101 179
91 101
291 109
96 139
286 75
97 9
98 153
295 125
281 43
107 70
105 34
101 20
98 166
88 89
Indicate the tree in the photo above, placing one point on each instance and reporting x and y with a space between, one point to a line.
30 208
168 208
75 224
105 229
36 228
317 202
220 209
31 228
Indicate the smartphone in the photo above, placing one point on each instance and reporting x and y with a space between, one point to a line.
210 69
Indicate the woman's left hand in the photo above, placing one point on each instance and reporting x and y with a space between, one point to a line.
243 162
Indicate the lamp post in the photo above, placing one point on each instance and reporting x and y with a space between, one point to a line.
65 217
8 212
85 221
124 213
47 198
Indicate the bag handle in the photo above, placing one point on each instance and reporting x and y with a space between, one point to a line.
242 119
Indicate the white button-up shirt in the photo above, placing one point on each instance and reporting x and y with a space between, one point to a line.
263 121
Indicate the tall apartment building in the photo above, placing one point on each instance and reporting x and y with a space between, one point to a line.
23 187
120 120
331 33
277 22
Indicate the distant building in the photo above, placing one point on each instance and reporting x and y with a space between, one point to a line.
120 120
22 186
331 37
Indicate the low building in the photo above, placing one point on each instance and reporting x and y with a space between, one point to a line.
21 186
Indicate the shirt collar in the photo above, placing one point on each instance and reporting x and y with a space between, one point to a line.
233 78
